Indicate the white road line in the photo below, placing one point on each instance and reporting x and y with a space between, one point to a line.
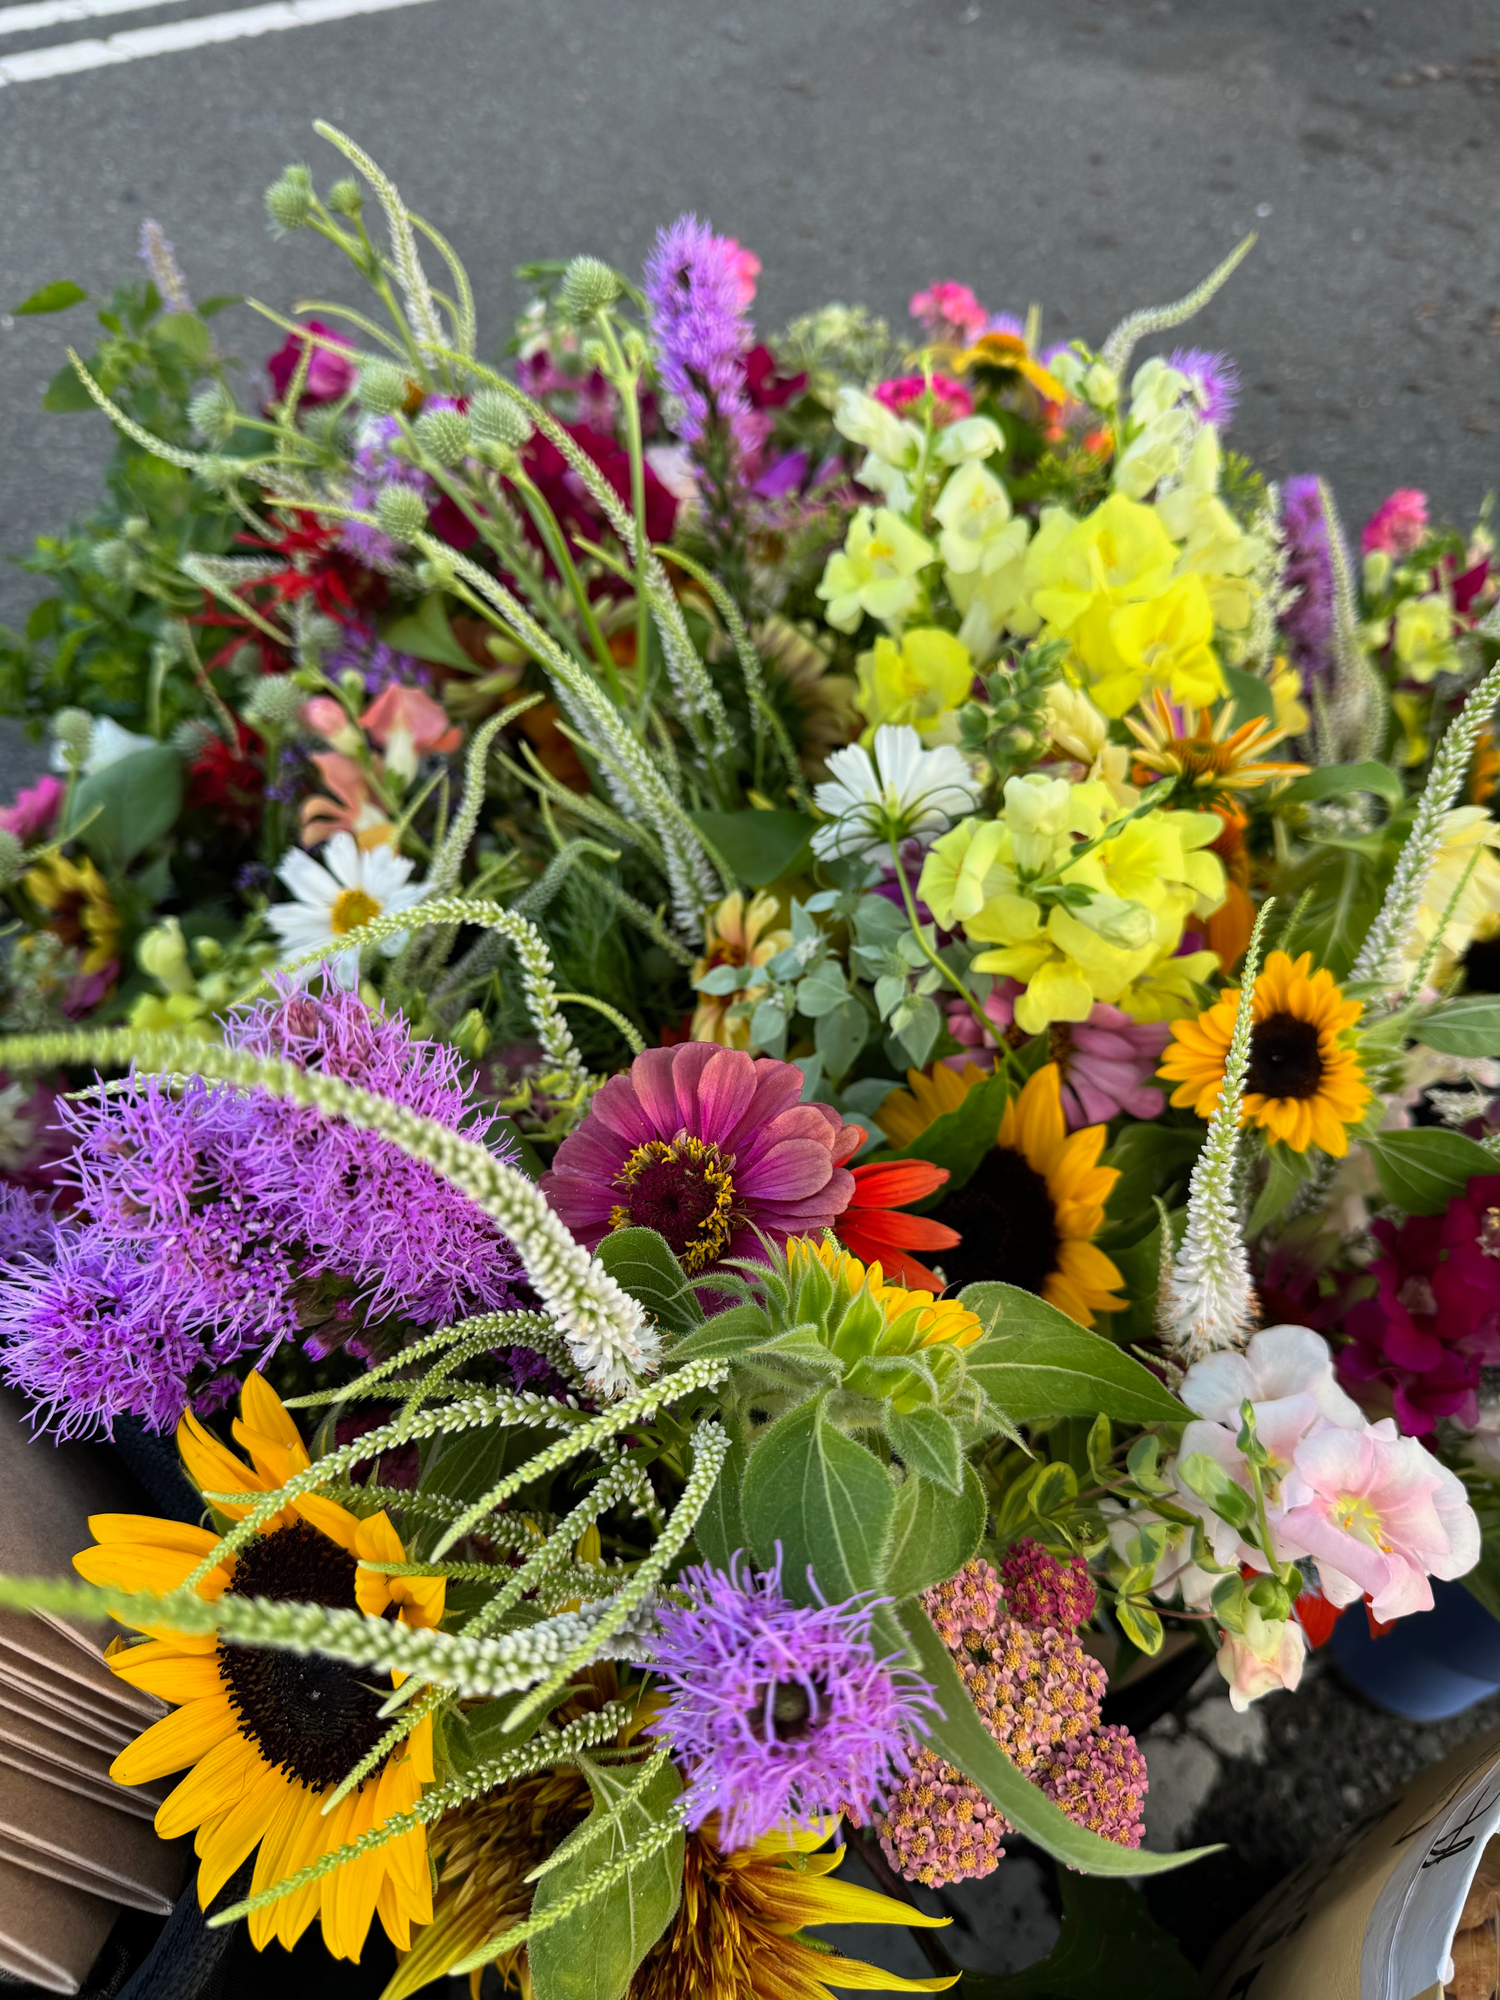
133 44
50 13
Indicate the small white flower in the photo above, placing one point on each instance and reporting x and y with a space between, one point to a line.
897 791
335 901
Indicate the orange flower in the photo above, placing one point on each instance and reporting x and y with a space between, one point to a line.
352 809
872 1231
407 724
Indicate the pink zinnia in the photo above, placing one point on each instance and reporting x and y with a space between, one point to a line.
708 1146
1398 524
1107 1062
329 375
30 818
950 310
950 399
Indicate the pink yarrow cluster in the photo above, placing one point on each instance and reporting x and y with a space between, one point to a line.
1038 1694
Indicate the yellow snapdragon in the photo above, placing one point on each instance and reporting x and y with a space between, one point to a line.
924 680
1423 637
875 571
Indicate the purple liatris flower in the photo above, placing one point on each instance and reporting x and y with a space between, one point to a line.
27 1224
695 290
779 1713
1307 623
376 465
1213 383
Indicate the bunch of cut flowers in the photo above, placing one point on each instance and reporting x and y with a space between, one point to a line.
770 1051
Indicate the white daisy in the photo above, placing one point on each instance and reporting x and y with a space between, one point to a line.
897 792
335 899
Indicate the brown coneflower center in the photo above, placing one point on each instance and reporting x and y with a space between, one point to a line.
312 1717
684 1188
1286 1058
1008 1224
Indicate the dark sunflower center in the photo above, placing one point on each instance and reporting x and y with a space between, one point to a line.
1285 1060
683 1188
793 1711
1008 1224
1482 966
311 1717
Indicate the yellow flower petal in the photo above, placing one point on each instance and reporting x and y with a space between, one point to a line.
175 1742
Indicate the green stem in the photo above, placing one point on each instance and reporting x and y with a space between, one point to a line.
627 383
932 958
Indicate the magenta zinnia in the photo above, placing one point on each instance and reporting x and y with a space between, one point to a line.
778 1713
708 1146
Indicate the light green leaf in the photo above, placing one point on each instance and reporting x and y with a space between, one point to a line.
840 1035
1037 1363
187 333
1468 1026
927 1443
826 1500
427 634
759 847
593 1954
53 298
1334 780
963 1740
1140 1625
932 1534
1208 1479
1423 1169
726 1336
1252 696
134 801
1287 1172
642 1262
720 1529
65 395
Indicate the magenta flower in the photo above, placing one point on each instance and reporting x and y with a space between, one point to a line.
1434 1320
708 1146
1398 525
778 1713
1100 1781
950 311
1107 1062
950 399
30 819
940 1827
329 375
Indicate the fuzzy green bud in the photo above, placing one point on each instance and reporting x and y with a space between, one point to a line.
12 857
191 738
213 415
162 953
275 703
352 681
344 197
289 201
444 434
219 472
322 423
588 286
401 512
318 634
73 733
116 561
382 388
471 1037
498 419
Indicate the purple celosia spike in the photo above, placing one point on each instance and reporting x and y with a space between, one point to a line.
1214 380
780 1713
1307 623
694 289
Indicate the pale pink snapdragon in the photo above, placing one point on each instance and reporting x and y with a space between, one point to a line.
1267 1655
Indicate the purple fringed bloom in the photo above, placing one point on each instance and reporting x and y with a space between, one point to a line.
160 260
780 1713
376 465
1307 623
27 1224
210 1217
1214 381
380 665
695 291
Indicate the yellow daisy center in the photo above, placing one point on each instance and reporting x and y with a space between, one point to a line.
683 1188
352 910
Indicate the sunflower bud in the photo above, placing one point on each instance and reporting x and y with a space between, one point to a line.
401 512
588 286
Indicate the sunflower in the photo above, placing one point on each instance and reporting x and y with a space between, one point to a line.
912 1319
735 1932
264 1736
1210 759
79 907
734 934
906 1114
1306 1086
1029 1212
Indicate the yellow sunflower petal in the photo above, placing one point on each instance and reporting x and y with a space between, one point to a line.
152 1533
307 1839
136 1566
288 1827
175 1742
262 1411
213 1467
329 1518
1039 1126
223 1843
337 1830
217 1782
832 1969
170 1673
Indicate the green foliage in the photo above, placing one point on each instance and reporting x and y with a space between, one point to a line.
122 809
1035 1363
1467 1026
824 1501
1333 781
1423 1169
960 1139
932 1534
1110 1949
56 297
641 1261
760 847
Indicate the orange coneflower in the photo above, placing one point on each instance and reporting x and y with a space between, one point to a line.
1209 757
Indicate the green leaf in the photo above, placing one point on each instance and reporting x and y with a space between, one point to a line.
642 1262
1334 780
1140 1625
135 801
826 1500
1150 1158
593 1954
65 395
962 1739
960 1139
1468 1026
927 1443
1422 1170
209 307
427 634
1252 696
720 1528
54 298
840 1035
932 1534
1111 1948
1288 1170
1483 1580
759 847
187 333
1035 1362
724 1336
1208 1479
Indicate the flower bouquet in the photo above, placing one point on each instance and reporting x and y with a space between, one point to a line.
800 1051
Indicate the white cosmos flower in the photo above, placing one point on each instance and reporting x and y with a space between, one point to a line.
335 899
896 791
